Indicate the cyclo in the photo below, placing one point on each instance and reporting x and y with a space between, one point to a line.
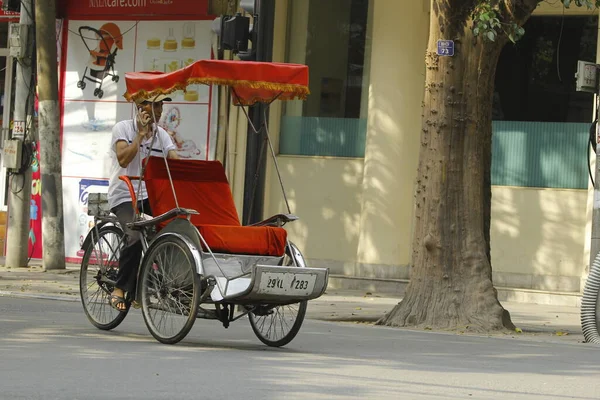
198 260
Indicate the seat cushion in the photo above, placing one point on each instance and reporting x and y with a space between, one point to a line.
249 240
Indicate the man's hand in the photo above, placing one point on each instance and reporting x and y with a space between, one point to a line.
173 154
143 124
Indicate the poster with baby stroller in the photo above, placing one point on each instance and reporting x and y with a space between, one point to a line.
98 55
103 56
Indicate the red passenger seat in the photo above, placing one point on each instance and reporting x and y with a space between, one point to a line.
203 186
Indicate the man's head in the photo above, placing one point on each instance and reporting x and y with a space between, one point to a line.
152 105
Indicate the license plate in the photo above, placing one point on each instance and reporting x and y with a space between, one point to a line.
287 283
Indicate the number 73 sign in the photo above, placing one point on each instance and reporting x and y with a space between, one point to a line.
445 48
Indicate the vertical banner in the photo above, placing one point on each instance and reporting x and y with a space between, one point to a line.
98 54
35 209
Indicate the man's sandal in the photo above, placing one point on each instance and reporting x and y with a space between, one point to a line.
118 303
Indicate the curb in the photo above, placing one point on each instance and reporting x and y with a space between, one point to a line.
362 320
38 296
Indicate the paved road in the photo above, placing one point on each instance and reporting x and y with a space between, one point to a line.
48 350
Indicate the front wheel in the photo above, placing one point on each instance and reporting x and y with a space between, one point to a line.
98 271
276 326
170 289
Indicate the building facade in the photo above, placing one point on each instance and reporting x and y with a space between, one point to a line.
349 154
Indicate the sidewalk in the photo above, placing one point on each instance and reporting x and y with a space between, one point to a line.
538 322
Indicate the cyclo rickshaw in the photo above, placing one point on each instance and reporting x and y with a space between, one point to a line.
198 260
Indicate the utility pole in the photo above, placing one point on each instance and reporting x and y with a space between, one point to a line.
256 150
588 80
19 187
595 239
53 239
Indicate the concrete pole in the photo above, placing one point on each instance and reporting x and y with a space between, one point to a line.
19 187
595 239
53 238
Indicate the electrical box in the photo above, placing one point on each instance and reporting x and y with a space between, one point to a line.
17 39
235 33
587 77
12 154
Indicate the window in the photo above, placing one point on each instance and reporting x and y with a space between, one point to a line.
332 38
541 123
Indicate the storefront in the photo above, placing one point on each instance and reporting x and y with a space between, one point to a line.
101 41
349 154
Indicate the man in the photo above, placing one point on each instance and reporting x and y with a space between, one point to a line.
132 141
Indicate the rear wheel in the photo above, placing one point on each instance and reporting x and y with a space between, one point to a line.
276 326
170 289
99 269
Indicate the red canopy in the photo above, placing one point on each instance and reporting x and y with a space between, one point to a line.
251 81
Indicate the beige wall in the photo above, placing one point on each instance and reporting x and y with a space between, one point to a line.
394 126
325 194
345 201
555 7
538 237
356 215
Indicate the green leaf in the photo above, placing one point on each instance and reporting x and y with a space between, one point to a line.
491 35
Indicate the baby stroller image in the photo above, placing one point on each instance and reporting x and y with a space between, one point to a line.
102 58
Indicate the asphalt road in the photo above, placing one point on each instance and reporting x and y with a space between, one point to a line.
48 350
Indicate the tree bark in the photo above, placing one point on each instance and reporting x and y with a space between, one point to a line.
53 233
451 277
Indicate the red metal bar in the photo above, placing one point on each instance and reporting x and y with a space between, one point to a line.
127 180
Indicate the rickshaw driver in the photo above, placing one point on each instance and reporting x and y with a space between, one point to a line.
131 143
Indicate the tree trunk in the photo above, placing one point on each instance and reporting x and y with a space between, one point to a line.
451 278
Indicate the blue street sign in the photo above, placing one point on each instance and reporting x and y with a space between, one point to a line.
445 48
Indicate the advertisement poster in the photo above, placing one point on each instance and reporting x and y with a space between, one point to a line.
35 210
98 54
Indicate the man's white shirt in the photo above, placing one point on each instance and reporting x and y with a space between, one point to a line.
127 131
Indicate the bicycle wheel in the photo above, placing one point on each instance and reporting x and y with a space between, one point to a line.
170 289
101 262
276 326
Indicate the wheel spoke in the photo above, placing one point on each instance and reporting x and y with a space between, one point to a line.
278 325
103 254
169 290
